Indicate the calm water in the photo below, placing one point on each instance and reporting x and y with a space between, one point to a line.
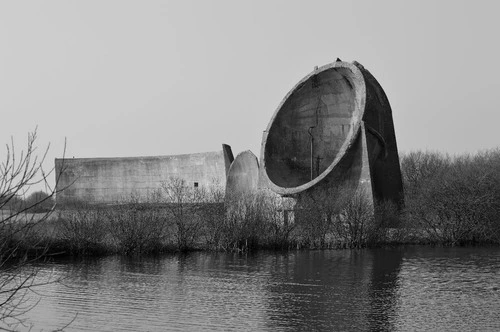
418 288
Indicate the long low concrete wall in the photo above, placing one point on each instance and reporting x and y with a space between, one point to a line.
111 180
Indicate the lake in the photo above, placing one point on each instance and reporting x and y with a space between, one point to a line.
412 288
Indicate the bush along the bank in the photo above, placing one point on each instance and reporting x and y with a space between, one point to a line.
82 229
453 201
342 217
256 221
129 227
448 201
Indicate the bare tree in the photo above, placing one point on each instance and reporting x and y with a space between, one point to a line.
277 212
214 216
83 228
317 214
137 226
456 200
355 223
245 223
20 172
185 205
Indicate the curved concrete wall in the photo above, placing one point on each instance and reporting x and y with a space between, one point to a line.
313 125
334 128
110 180
243 176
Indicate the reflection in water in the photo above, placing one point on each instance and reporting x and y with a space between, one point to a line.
418 288
320 290
334 290
383 289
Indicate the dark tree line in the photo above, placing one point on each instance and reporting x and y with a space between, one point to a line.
453 200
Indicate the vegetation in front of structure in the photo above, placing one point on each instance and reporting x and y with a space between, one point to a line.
448 201
180 218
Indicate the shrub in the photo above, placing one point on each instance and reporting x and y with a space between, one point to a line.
136 227
454 200
83 229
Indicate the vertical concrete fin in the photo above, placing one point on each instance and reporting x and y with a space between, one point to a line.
366 175
228 157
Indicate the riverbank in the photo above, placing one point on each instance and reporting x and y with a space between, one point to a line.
134 231
449 201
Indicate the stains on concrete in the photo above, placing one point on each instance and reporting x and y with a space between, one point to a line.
111 180
334 129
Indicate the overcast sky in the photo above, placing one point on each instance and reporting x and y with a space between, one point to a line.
137 78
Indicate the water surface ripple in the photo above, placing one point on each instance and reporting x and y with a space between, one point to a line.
417 288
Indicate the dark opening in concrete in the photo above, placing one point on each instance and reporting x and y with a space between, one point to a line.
311 126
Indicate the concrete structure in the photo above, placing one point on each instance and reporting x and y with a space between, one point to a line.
111 180
243 176
333 129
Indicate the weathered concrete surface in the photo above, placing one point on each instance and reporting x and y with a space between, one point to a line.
110 180
333 129
243 176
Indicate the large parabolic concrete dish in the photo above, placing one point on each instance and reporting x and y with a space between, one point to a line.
334 128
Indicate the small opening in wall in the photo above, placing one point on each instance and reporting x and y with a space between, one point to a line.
196 184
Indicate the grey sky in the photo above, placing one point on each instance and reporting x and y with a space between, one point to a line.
132 78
